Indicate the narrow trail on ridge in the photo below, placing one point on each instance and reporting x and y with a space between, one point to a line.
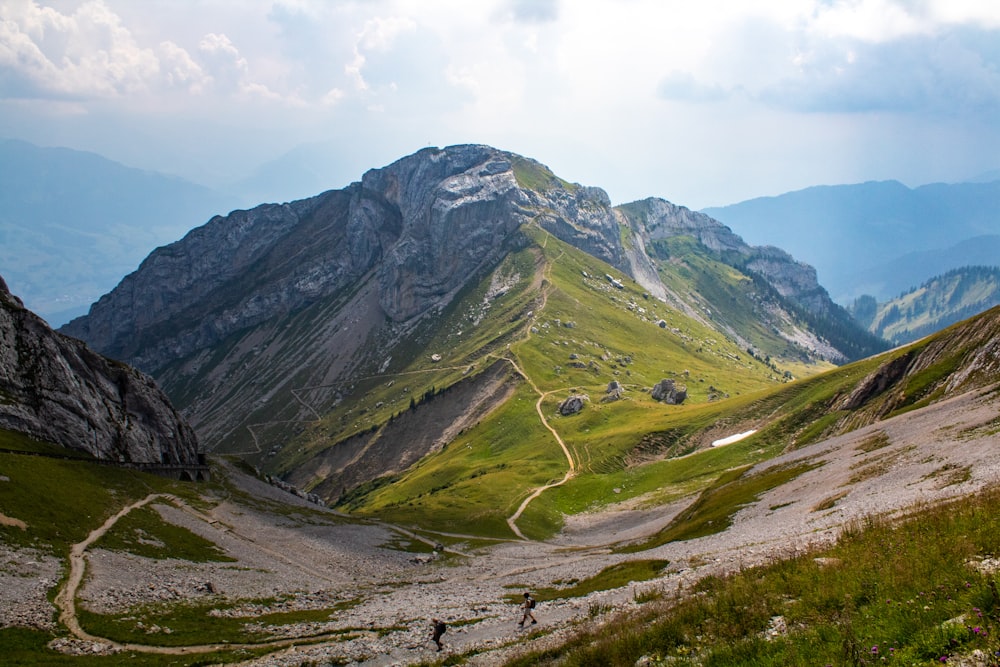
535 493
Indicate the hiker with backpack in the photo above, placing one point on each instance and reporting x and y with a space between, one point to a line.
439 628
527 606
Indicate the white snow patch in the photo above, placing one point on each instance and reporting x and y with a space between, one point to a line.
733 438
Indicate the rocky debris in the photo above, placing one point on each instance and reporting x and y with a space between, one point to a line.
26 576
317 564
58 390
81 647
573 404
614 391
877 382
669 392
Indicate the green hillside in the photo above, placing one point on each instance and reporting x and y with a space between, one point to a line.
562 328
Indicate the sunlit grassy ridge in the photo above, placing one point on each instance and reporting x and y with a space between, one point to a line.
724 294
615 335
584 332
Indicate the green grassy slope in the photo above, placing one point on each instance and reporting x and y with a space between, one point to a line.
583 333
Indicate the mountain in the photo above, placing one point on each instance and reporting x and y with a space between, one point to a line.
853 234
73 223
493 405
57 390
340 338
909 271
939 302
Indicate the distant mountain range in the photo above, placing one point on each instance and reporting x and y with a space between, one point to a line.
72 224
876 238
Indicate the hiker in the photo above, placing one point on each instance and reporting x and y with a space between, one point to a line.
439 628
527 606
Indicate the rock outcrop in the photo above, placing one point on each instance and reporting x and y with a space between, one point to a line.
573 404
56 389
669 392
419 227
655 219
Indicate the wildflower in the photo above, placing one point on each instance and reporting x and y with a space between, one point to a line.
875 650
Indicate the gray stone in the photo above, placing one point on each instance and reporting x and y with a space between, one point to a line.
573 404
669 392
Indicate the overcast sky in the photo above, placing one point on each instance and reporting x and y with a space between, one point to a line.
703 103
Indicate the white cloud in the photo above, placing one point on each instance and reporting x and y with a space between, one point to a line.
615 83
88 53
181 70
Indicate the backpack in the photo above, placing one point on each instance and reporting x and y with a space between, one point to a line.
532 603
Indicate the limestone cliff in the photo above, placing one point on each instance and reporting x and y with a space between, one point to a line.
56 389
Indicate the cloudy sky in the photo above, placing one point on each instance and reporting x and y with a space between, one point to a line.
703 103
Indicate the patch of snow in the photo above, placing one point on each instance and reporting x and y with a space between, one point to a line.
733 438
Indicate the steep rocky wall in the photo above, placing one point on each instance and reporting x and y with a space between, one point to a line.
56 389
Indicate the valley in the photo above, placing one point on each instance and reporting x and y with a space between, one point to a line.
316 587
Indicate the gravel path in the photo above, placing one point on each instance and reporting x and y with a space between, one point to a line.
310 558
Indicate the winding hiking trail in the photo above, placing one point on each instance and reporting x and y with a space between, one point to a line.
532 494
512 520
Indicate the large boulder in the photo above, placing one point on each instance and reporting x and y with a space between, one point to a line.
669 392
573 404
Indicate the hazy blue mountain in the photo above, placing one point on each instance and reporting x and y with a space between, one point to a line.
903 274
853 234
73 223
301 172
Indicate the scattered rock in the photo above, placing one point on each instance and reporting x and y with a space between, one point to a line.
669 392
614 391
573 404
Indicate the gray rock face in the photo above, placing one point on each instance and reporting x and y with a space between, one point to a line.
655 219
56 389
423 225
669 392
